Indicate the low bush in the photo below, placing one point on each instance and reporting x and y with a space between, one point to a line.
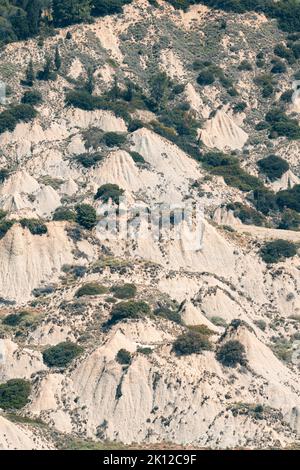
261 324
14 394
86 216
273 166
81 99
239 107
61 355
289 198
286 97
264 200
277 250
123 357
15 319
5 225
290 220
218 321
266 82
4 173
126 291
202 329
64 213
19 113
109 191
245 65
282 125
88 160
129 310
137 158
91 288
114 139
145 351
191 342
32 97
23 112
232 353
205 77
168 314
35 226
278 66
246 214
227 166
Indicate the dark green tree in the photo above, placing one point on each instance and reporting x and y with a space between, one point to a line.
57 59
90 83
66 12
29 75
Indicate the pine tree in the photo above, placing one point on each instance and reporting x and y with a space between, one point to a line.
30 75
66 12
90 83
47 72
57 59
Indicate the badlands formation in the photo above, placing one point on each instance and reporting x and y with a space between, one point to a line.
224 286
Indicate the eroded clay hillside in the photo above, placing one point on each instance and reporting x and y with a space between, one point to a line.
143 339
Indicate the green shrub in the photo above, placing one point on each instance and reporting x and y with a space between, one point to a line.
15 319
145 351
273 166
23 112
109 191
282 348
278 66
126 291
114 139
218 321
61 355
191 342
5 225
264 200
286 97
232 353
245 66
81 99
129 310
4 173
88 160
228 166
7 122
246 214
2 214
32 97
35 226
205 77
137 158
284 52
266 83
64 213
86 216
14 394
202 329
289 198
277 250
47 73
282 125
124 357
91 288
290 220
261 324
239 107
169 314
